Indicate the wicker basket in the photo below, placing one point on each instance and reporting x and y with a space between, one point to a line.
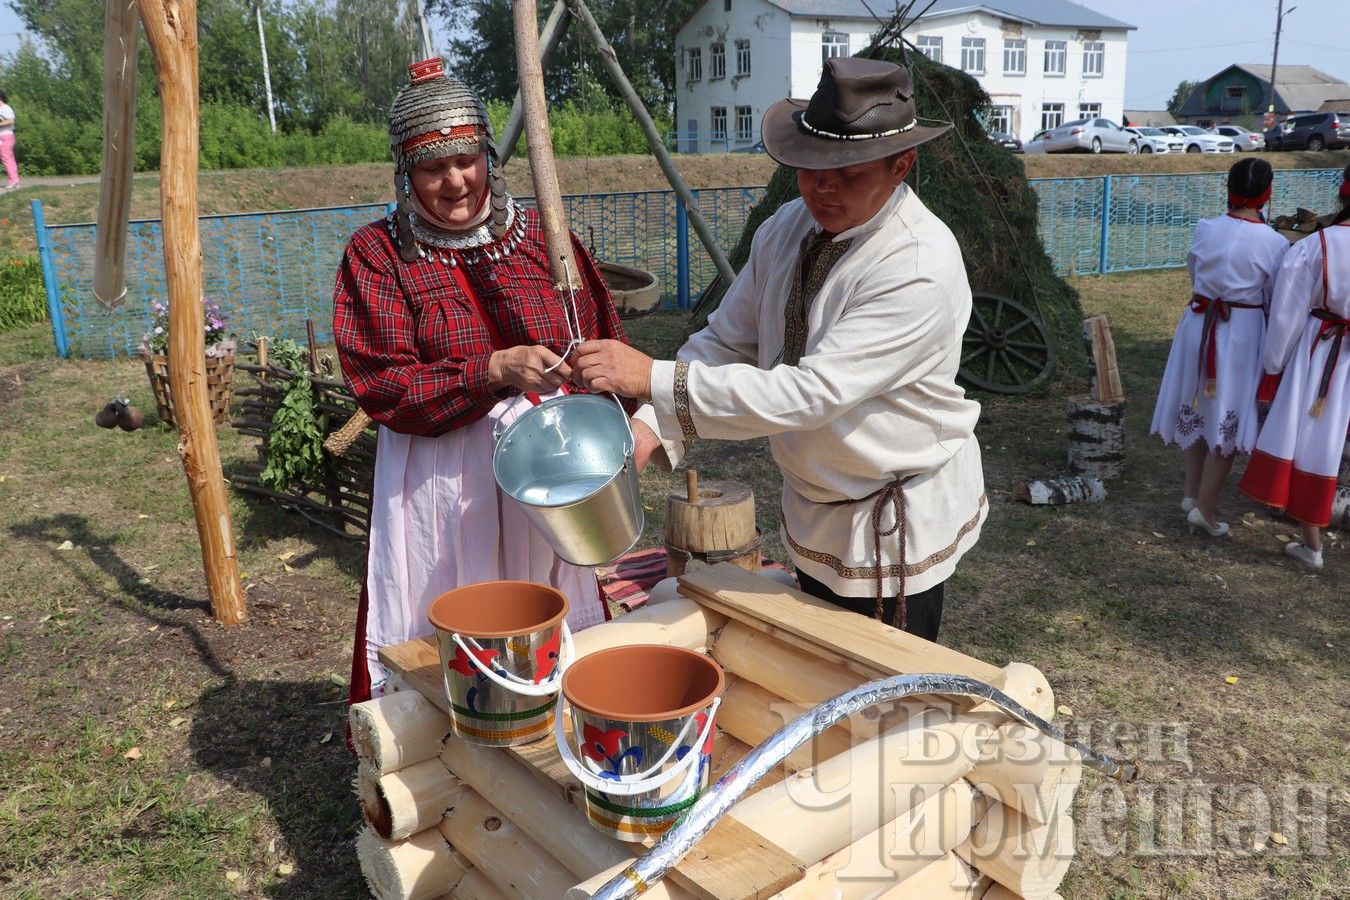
219 376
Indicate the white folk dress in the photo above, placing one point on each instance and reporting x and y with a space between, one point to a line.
1298 455
438 521
1209 387
873 399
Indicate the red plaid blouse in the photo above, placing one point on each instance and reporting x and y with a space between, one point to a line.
412 346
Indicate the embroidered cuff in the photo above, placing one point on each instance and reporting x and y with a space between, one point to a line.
682 402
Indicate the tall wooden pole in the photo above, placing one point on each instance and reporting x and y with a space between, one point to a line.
120 39
171 28
554 29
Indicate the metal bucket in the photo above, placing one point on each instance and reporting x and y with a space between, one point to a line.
503 646
568 463
642 719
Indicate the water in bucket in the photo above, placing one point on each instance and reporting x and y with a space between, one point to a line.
502 652
643 727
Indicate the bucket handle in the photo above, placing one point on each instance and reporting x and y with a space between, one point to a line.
647 781
498 428
513 682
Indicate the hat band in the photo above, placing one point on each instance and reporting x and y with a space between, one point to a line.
818 132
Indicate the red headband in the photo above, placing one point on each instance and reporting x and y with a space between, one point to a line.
1345 189
457 133
1238 201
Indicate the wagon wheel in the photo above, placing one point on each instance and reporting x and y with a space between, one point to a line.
1005 349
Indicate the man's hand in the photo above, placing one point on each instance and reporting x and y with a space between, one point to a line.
610 365
527 368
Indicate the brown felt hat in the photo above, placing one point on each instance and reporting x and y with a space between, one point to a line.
863 110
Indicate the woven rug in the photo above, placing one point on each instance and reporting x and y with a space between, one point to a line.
627 581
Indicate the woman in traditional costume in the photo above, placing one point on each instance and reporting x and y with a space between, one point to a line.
1298 454
445 315
1207 401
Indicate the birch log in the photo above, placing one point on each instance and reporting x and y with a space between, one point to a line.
1096 437
397 730
419 867
949 878
402 803
512 860
171 28
678 622
120 43
1059 491
1340 508
1030 772
1028 858
476 886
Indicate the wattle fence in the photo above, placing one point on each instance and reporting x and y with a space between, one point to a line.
272 271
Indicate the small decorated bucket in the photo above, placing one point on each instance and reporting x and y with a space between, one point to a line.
642 721
503 646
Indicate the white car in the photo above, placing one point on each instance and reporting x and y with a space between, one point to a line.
1155 140
1242 138
1198 140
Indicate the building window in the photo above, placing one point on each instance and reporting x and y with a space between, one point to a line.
717 61
1000 119
743 56
1055 56
1094 58
972 55
930 47
745 124
1089 110
1052 115
726 5
1235 98
833 43
1014 56
719 124
695 72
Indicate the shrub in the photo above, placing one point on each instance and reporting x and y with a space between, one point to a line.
23 299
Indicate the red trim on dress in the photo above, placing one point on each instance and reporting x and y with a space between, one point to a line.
1310 498
1267 479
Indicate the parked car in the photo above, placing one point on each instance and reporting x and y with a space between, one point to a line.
756 147
1037 143
1311 131
1242 138
1092 135
1198 140
1155 140
1007 141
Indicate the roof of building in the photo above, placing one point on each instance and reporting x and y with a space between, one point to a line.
1335 104
1032 12
1149 117
1297 88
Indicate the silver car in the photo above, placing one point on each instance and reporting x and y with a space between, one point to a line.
1242 138
1155 140
1092 135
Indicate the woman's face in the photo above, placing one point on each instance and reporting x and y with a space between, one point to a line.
452 187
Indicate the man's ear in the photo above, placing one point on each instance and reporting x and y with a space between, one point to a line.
902 163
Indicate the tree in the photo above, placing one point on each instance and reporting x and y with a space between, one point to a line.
1179 96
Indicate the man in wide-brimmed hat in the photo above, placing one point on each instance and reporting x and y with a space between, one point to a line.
839 341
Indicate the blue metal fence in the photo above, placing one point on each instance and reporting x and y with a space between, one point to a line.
271 271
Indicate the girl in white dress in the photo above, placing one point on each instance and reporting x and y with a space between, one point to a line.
1207 401
1298 454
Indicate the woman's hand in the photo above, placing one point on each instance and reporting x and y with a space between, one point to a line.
527 368
611 365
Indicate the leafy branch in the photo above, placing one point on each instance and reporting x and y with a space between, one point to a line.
295 442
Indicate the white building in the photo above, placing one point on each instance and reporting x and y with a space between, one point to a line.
1043 62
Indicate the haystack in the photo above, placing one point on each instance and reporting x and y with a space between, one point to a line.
973 186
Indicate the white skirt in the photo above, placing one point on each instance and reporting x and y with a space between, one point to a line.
1227 421
438 522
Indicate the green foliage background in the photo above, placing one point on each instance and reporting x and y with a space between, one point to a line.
22 297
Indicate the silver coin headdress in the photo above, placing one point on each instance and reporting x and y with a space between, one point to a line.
434 116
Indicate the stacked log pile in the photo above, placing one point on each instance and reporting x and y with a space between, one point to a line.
930 797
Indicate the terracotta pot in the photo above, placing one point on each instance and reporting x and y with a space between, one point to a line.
501 645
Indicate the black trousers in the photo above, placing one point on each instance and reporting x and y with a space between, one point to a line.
923 611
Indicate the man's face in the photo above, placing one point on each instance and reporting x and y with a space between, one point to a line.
845 198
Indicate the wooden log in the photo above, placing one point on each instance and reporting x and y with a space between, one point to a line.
1096 437
418 867
477 886
859 643
896 851
171 29
397 730
1029 772
714 524
1027 685
120 44
1028 858
540 813
512 860
751 713
947 878
1059 491
727 751
678 623
555 27
402 803
665 889
1106 385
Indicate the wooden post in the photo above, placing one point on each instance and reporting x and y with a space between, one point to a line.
539 145
171 28
120 39
710 524
691 487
